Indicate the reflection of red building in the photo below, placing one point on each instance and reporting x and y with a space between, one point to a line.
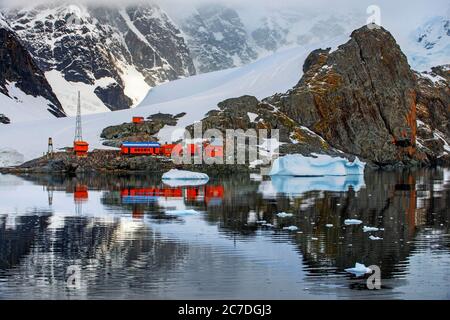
81 193
194 193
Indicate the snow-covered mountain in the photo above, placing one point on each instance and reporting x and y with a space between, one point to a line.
115 55
112 55
430 44
221 37
25 93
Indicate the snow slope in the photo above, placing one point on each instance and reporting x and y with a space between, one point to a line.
195 96
22 107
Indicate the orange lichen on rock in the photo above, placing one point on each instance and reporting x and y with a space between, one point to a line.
411 119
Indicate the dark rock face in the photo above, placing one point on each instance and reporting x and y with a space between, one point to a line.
113 97
4 119
360 98
18 66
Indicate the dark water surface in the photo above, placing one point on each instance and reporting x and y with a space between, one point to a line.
136 238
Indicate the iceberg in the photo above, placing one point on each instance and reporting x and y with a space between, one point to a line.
352 221
284 215
319 165
359 270
175 174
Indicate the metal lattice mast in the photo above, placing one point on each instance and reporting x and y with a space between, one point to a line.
78 131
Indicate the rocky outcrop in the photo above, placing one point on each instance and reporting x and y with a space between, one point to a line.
433 113
360 98
145 131
113 97
18 67
247 112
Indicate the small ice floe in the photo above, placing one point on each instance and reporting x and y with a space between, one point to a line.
175 174
261 222
375 238
370 229
329 225
352 221
359 270
284 215
314 239
268 225
187 212
291 228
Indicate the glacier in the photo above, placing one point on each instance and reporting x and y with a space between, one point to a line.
317 165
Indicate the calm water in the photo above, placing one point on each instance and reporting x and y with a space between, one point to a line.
133 237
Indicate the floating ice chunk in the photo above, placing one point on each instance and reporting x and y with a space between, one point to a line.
187 212
291 228
268 225
375 238
359 270
175 174
261 222
314 239
352 221
284 215
329 225
370 229
319 165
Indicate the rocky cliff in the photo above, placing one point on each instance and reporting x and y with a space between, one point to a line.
18 69
361 99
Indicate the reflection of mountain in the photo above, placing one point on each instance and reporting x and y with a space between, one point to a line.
17 242
123 253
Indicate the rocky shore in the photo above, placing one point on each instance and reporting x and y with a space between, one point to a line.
111 161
